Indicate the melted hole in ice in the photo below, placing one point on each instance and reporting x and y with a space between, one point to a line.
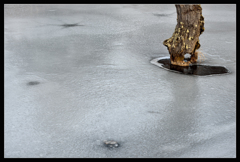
194 69
33 83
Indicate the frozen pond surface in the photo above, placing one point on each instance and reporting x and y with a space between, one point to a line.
78 75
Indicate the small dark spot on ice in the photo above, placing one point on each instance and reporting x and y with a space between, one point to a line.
33 83
70 25
111 144
154 112
160 15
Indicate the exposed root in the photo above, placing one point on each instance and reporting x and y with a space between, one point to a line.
201 55
181 63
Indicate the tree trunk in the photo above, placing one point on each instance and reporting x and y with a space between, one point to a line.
185 39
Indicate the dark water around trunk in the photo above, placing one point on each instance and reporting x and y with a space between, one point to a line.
194 69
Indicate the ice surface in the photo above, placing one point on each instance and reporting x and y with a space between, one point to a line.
96 83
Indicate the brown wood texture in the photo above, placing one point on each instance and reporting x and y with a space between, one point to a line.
185 39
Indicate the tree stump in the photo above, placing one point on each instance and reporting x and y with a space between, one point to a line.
185 39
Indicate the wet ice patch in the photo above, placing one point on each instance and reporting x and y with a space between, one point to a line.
201 70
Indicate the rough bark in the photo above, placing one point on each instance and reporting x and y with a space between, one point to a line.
185 39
